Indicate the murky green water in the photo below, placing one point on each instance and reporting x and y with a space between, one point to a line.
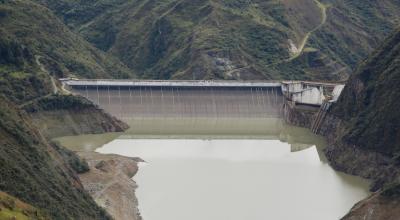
229 169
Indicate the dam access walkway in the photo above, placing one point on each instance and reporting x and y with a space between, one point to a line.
169 83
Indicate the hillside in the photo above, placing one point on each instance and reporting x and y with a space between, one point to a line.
363 130
60 51
11 207
36 172
226 39
370 103
355 28
32 169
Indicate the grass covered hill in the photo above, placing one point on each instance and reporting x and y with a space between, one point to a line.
363 129
59 50
355 28
233 39
370 101
31 168
12 208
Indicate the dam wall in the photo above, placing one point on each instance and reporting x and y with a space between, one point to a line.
171 102
210 106
298 102
301 92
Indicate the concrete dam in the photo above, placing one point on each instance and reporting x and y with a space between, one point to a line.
200 99
216 103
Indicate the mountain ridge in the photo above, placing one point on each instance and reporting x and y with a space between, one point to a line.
226 39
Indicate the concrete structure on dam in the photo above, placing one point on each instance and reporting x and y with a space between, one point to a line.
298 92
311 93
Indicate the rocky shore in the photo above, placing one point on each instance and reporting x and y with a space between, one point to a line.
110 183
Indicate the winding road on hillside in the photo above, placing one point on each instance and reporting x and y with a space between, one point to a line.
300 48
52 80
307 36
43 69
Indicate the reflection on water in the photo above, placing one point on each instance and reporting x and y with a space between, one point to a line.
86 143
221 154
236 179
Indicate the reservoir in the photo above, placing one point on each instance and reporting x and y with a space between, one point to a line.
221 155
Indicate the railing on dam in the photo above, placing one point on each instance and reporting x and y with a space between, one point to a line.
170 83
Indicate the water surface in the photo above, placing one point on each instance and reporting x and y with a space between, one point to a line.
218 178
222 154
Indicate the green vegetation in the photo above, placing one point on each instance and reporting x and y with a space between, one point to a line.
370 102
354 28
392 191
58 102
20 79
31 169
230 39
36 172
20 86
75 162
29 29
12 208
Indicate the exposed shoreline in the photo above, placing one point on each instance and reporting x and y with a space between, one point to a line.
109 179
110 183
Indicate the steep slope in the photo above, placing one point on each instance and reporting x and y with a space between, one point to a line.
54 46
355 28
370 102
20 77
34 171
206 39
363 130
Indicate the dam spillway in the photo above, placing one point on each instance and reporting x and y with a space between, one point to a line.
212 102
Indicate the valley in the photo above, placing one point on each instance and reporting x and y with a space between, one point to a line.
313 125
